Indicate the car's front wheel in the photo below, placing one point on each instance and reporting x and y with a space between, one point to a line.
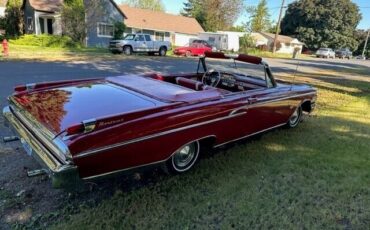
162 51
183 159
295 118
127 50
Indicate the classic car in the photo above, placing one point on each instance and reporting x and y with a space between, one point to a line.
196 48
91 128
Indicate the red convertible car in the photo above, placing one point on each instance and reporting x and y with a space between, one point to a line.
91 128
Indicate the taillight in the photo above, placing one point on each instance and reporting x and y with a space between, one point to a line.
84 127
22 88
75 129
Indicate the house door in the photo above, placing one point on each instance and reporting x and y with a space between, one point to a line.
50 26
46 25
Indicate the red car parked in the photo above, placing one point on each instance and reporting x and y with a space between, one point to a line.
85 129
196 48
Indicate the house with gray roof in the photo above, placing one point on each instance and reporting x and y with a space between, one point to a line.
44 17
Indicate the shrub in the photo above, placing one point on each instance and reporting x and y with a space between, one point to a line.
119 29
45 41
246 42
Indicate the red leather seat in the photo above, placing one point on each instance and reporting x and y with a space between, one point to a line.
191 84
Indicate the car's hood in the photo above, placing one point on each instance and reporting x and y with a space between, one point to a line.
59 108
182 47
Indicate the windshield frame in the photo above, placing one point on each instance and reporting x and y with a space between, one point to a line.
268 76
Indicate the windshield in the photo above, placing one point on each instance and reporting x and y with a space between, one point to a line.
236 67
239 70
323 49
129 37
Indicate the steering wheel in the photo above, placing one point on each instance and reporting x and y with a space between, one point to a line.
211 78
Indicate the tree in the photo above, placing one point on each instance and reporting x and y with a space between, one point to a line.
119 29
14 18
213 15
322 23
221 14
260 18
155 5
238 28
73 20
194 9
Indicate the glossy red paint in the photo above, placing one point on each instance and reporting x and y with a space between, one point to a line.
141 120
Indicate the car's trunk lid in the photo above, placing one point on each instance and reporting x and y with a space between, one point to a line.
59 108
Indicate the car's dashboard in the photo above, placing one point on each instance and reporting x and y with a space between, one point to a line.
232 82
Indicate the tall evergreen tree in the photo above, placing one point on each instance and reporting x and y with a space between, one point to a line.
194 9
322 23
260 17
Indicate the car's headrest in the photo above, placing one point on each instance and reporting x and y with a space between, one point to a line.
188 83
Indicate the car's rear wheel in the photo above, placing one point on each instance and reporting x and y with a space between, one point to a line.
127 50
162 51
295 118
183 159
188 53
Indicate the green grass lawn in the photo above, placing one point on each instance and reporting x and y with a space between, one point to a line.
23 52
316 176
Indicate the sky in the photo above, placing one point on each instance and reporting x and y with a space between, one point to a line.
175 6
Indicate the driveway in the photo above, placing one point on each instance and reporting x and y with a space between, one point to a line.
35 194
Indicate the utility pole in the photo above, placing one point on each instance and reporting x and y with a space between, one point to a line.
367 38
278 27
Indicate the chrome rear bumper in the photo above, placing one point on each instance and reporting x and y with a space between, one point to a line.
59 171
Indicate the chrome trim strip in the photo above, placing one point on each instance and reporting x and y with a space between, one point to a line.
252 105
249 135
143 165
97 150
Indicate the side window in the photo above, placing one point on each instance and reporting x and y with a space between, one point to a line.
147 38
140 38
29 24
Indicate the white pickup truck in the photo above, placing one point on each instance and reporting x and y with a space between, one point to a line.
139 43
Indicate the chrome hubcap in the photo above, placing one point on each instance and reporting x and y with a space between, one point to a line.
185 155
294 118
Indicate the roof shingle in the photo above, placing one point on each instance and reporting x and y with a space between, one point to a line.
155 20
281 38
47 5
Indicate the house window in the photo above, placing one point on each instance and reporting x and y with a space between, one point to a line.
159 36
29 24
105 30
